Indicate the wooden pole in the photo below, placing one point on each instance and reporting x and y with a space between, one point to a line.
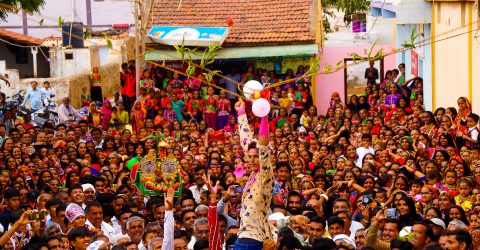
319 24
137 52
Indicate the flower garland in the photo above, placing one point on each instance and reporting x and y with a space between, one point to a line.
158 186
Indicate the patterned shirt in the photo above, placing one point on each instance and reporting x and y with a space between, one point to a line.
257 196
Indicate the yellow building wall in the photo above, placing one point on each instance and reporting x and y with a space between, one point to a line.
451 60
476 64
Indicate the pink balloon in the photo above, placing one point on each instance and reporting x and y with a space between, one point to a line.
261 107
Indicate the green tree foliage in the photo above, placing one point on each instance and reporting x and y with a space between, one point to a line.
349 7
14 6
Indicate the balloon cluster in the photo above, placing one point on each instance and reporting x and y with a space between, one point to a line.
253 91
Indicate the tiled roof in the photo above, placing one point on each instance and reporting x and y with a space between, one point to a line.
15 37
255 21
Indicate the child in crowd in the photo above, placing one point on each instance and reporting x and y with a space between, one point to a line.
364 149
85 97
211 108
223 110
464 198
170 114
471 137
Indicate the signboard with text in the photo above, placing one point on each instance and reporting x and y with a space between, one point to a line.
190 36
414 68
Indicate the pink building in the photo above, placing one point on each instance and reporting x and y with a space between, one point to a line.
326 84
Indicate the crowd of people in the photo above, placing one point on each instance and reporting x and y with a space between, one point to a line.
376 172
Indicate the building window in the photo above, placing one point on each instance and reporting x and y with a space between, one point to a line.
21 55
68 56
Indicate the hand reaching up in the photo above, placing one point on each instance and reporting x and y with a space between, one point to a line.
240 106
208 182
169 199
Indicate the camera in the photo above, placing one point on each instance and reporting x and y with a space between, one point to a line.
38 215
238 189
366 199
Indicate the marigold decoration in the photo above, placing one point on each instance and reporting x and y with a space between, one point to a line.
230 22
154 175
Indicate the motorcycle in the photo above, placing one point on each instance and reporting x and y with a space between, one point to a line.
39 117
12 103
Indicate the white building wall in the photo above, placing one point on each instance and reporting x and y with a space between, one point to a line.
104 13
83 60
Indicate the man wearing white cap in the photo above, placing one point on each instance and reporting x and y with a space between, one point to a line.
88 192
75 215
343 238
438 227
98 245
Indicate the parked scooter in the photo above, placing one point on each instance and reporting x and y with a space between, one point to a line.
12 103
39 117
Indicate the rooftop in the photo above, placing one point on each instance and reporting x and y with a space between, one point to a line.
254 21
18 38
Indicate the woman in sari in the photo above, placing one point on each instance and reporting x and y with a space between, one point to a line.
464 109
392 98
94 115
107 113
278 121
137 117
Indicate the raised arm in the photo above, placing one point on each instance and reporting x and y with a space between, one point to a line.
371 238
23 221
266 170
221 206
215 238
169 225
246 135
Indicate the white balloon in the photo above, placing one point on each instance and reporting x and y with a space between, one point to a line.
251 87
261 107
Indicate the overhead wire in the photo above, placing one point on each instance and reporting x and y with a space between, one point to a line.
419 43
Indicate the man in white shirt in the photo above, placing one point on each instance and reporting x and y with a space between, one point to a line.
351 226
49 91
200 184
200 231
94 212
67 113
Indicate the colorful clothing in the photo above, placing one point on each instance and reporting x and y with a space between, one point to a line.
138 118
257 194
96 87
85 100
178 107
195 107
223 112
473 134
464 202
147 83
170 115
211 111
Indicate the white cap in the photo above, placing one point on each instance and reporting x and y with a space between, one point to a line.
276 216
405 231
438 222
95 245
87 186
345 238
